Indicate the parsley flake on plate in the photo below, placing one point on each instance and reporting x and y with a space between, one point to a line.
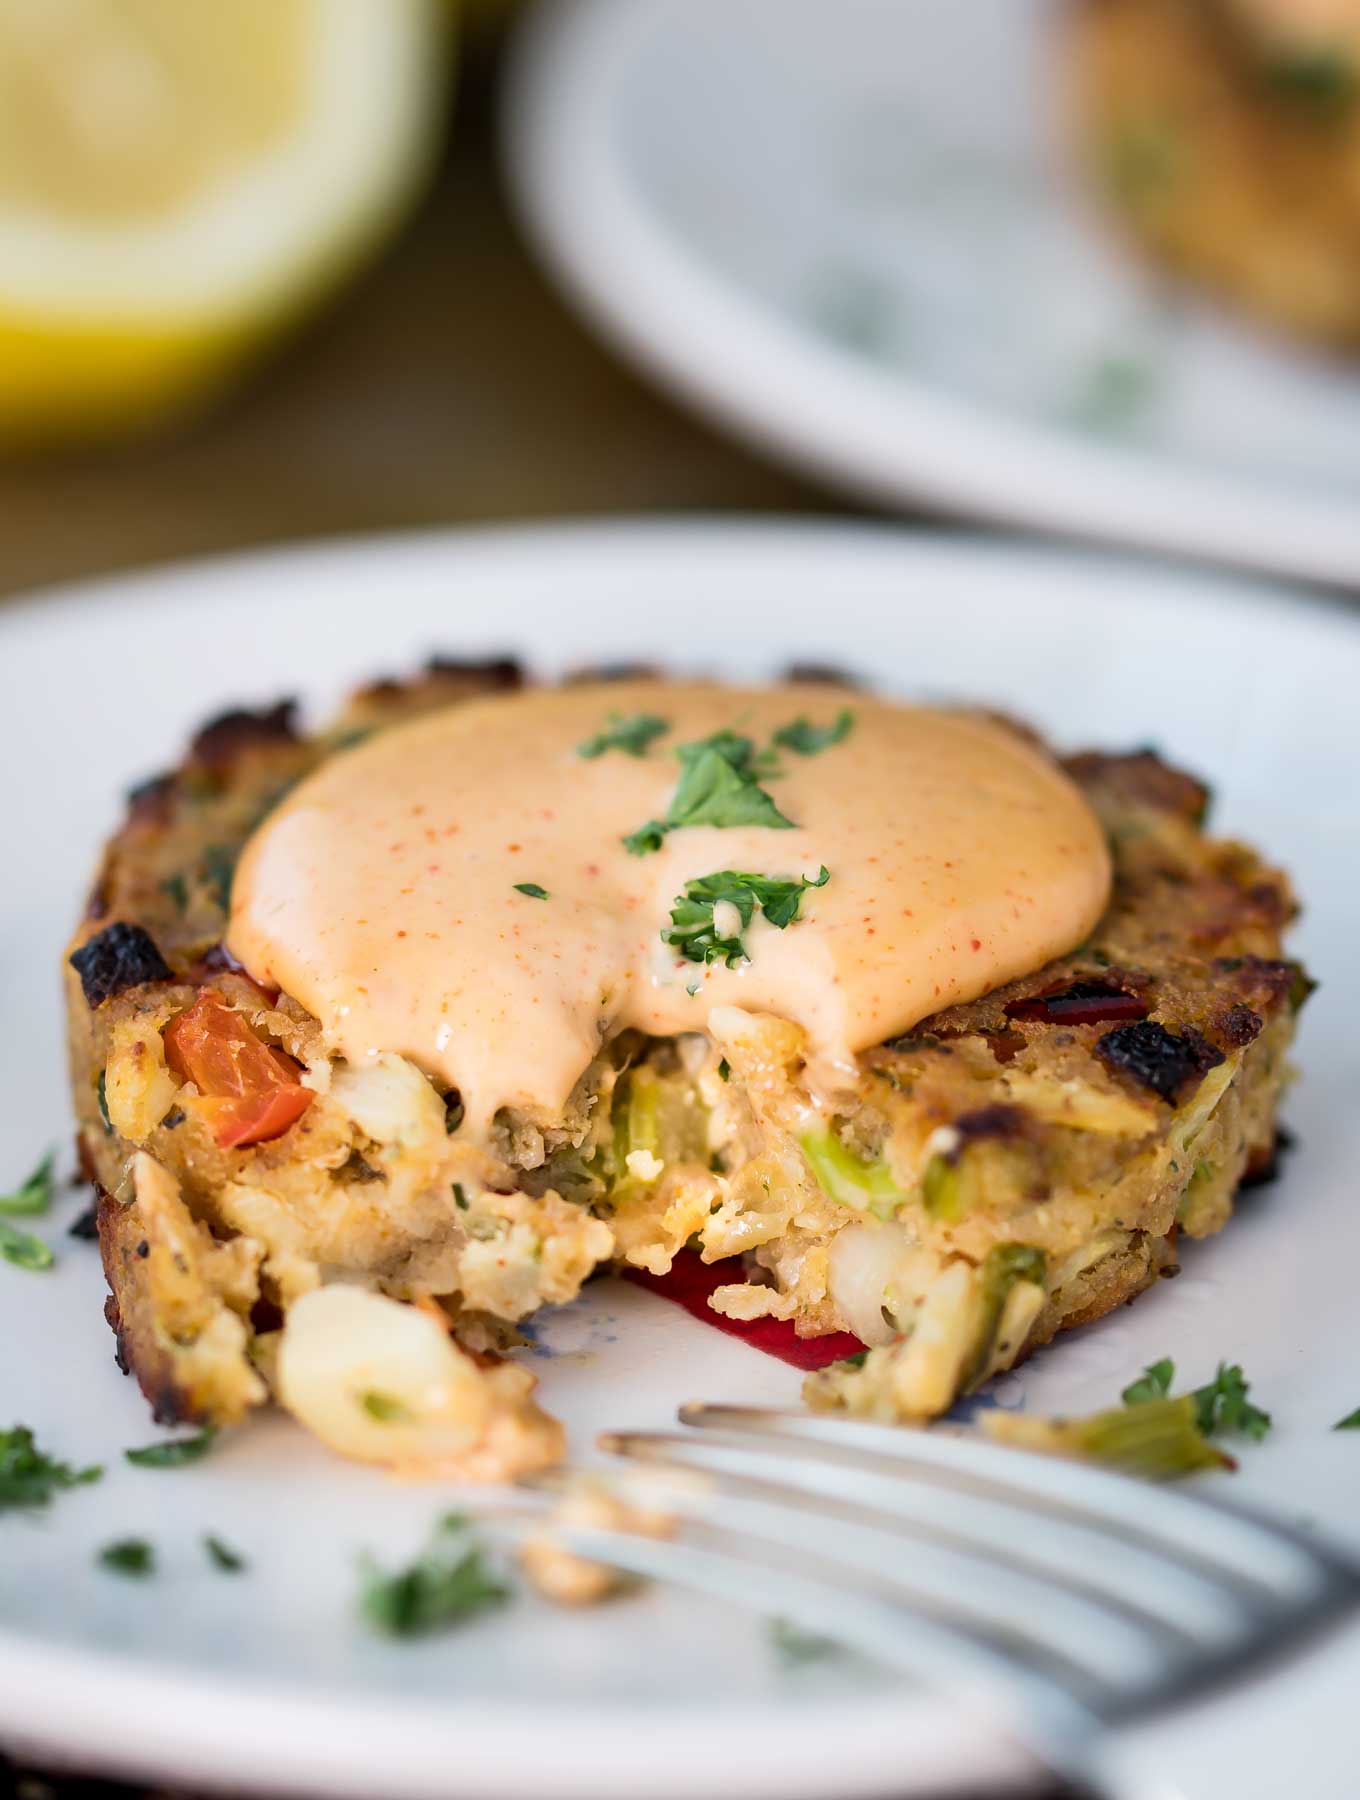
449 1584
806 739
34 1194
701 933
532 889
175 1453
23 1249
633 736
222 1556
1220 1405
29 1476
129 1556
1351 1422
1153 1384
719 785
794 1646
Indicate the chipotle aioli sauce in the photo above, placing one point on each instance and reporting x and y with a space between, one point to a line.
383 892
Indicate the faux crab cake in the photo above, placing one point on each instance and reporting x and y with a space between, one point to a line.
385 1038
1227 134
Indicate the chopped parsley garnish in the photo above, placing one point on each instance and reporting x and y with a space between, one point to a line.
23 1249
532 889
724 1070
223 1557
629 735
449 1584
737 750
129 1556
720 785
1153 1384
34 1193
1117 392
384 1408
176 1452
218 867
29 1477
1220 1405
794 1646
460 1199
177 888
695 931
807 739
1351 1422
856 1360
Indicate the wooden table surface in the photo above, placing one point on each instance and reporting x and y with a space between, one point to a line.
450 385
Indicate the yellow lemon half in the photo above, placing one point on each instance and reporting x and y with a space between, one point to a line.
180 179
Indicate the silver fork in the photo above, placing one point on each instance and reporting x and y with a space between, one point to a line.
1099 1620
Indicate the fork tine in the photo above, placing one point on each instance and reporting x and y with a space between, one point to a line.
1270 1562
1038 1616
1014 1694
1181 1607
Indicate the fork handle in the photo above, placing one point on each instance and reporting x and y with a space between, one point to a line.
1292 1733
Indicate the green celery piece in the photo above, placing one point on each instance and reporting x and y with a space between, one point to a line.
942 1187
848 1179
1158 1440
1003 1266
636 1126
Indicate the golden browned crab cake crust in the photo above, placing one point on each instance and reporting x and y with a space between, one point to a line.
1011 1167
1226 134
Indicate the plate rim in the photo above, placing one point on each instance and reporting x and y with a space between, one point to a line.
812 404
746 532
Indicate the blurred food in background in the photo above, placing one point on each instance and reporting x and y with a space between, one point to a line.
180 181
1227 133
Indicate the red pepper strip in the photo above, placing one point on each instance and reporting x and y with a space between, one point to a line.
1082 1003
691 1281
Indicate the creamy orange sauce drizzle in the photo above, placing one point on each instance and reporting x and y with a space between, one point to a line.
381 893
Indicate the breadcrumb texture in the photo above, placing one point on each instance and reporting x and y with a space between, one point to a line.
1226 136
1011 1168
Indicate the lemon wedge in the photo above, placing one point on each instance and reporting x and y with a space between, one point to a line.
179 181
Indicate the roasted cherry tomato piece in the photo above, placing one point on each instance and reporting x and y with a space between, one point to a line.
250 1091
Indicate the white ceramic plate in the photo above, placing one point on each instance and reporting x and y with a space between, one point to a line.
269 1679
854 233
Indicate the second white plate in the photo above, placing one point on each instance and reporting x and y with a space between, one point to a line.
855 234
